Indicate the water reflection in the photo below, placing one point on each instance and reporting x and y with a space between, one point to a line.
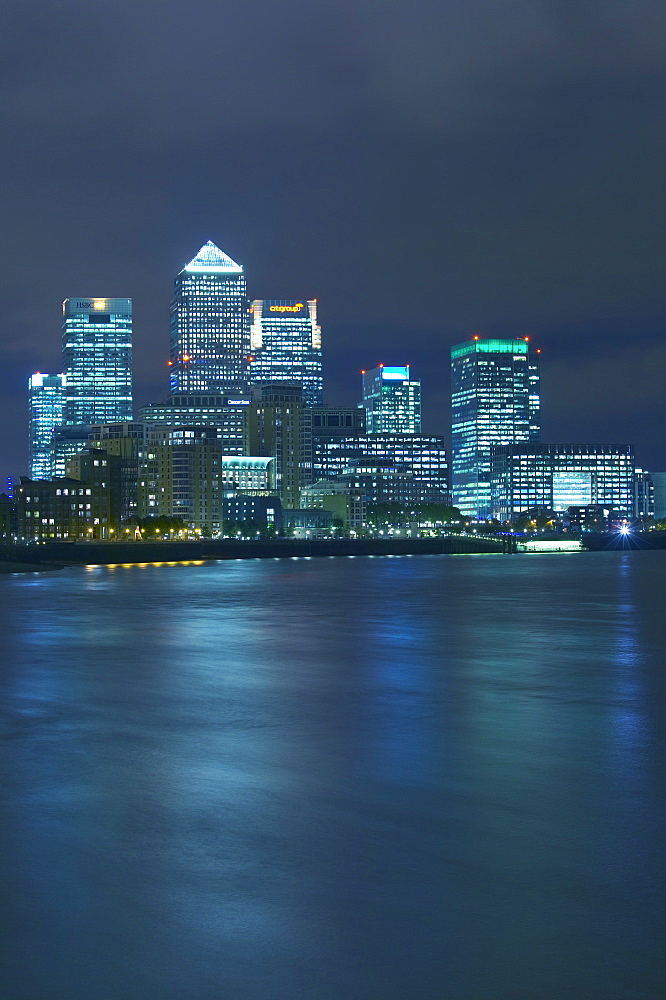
335 778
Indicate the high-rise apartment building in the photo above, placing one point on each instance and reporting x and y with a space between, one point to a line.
495 401
277 430
210 337
182 476
97 360
285 345
46 400
392 401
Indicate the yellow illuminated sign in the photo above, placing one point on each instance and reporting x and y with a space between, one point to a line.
286 309
99 303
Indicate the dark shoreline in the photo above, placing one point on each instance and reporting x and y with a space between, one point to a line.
53 555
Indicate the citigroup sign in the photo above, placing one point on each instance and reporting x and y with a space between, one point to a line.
297 306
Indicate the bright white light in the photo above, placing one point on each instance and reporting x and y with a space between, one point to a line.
624 530
212 260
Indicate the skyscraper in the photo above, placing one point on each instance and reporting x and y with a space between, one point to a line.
285 345
97 360
392 401
46 400
210 338
495 401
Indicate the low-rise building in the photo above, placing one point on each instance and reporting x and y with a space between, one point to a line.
312 522
255 513
558 476
346 503
62 508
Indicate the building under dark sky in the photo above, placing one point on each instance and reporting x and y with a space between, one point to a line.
425 173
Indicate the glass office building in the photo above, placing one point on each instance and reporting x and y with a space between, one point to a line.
495 401
210 335
229 413
285 345
558 476
419 457
97 360
46 401
392 401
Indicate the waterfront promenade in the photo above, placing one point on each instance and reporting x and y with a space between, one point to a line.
56 554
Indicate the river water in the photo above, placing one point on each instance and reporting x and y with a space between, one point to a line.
439 778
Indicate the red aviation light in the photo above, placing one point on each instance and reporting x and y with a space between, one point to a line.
476 337
169 363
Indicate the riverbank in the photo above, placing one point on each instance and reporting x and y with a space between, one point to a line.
53 554
615 540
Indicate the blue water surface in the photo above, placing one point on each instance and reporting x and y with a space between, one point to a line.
432 777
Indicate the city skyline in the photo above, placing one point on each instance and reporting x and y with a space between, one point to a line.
210 263
444 427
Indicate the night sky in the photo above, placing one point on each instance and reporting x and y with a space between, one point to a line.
426 170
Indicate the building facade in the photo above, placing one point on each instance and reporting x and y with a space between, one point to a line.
285 345
659 494
227 412
337 421
67 441
495 401
246 514
391 400
210 334
97 360
347 504
62 508
182 476
643 495
46 402
559 476
423 457
127 443
248 474
279 431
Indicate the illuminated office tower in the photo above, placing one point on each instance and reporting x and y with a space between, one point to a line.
210 332
558 476
495 401
97 360
46 400
392 401
285 345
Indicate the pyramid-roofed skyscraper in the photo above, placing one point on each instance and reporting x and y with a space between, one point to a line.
210 332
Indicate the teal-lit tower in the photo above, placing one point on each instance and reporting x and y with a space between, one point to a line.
97 360
46 401
392 401
494 401
210 330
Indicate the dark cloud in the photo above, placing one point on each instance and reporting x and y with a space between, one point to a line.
426 170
